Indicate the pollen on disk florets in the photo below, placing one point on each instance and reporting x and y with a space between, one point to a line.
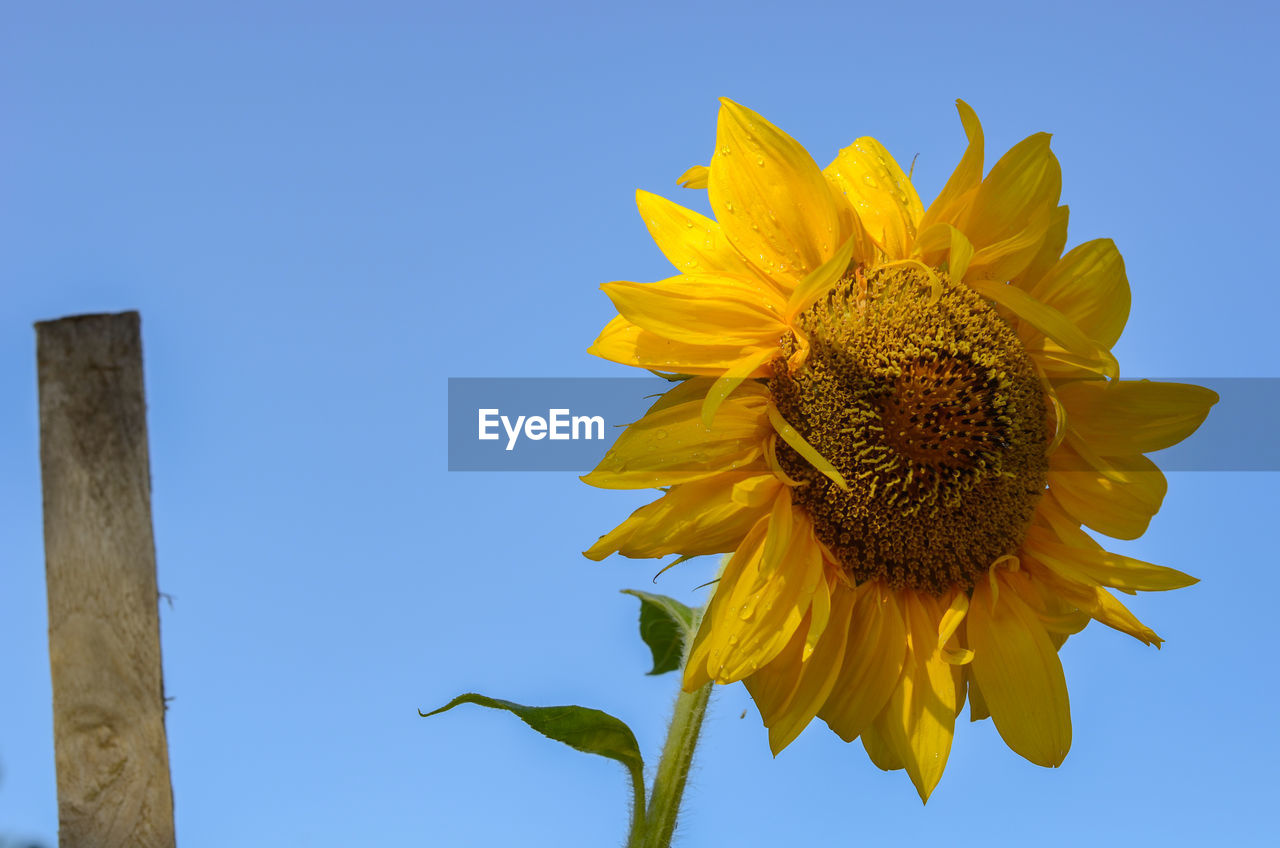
926 402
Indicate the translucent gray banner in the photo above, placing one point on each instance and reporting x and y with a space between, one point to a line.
568 423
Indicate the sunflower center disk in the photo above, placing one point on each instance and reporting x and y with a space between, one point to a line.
925 401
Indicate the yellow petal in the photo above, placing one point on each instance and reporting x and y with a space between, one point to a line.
733 376
695 177
797 443
1134 416
1050 515
1060 617
756 491
978 709
817 677
1023 184
770 197
850 226
820 610
693 519
1110 611
737 568
872 663
960 256
1096 601
821 281
773 685
1018 671
760 616
941 243
954 614
782 528
1013 209
692 242
951 205
1118 500
624 342
1005 259
876 743
670 445
1106 568
1055 239
1057 364
704 309
1047 320
1088 285
880 193
919 721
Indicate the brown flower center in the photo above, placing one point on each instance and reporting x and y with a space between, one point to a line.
926 402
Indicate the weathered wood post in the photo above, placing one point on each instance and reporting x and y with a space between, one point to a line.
104 630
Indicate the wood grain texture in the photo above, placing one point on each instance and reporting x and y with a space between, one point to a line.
104 629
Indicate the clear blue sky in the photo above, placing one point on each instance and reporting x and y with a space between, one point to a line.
324 210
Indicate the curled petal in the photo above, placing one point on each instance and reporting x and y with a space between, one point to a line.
695 177
952 203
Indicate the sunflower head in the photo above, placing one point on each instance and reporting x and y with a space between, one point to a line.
925 401
898 422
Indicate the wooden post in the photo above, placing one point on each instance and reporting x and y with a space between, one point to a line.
104 628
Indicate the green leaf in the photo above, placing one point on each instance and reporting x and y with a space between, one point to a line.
587 730
584 729
665 624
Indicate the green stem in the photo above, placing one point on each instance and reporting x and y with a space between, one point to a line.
673 768
637 808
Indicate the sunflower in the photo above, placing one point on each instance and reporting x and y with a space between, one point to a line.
897 422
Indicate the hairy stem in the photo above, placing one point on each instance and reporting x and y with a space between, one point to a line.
673 768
